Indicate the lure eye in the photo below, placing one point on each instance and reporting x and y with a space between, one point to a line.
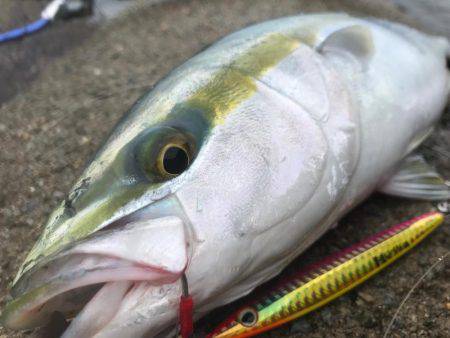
248 317
173 159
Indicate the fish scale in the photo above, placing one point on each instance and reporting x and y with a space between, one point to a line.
322 282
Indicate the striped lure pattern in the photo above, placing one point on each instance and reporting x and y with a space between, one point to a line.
322 282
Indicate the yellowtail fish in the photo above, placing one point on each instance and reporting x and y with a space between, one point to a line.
320 283
232 166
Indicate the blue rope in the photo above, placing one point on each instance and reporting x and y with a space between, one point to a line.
22 31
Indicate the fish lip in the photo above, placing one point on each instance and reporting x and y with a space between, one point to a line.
21 311
29 297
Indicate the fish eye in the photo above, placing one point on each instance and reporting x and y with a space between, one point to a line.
173 160
165 153
248 317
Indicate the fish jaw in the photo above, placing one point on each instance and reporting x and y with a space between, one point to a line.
110 258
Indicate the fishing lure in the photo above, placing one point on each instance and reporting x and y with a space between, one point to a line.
328 279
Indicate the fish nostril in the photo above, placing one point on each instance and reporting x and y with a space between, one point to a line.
69 209
73 196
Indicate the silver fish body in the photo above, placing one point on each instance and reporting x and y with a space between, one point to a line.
278 129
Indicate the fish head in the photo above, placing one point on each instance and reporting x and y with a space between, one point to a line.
120 222
203 177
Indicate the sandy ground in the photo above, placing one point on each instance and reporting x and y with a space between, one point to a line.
50 127
21 62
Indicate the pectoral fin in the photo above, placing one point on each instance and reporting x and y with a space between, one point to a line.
355 40
416 179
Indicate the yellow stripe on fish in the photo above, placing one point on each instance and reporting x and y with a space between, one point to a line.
232 85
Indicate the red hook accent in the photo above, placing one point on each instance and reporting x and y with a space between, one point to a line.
186 315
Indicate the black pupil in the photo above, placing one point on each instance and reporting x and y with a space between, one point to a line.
175 160
248 317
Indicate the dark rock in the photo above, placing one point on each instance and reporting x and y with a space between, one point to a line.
327 316
301 326
428 322
389 299
368 320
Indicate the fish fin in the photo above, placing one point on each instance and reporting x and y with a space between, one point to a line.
416 179
356 40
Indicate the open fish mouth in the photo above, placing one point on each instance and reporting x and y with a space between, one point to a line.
90 280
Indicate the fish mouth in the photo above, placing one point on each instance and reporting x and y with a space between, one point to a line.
97 274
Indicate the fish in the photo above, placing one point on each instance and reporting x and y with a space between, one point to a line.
321 282
230 167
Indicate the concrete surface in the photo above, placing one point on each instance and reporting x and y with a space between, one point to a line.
49 127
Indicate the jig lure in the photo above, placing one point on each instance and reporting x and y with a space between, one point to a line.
320 283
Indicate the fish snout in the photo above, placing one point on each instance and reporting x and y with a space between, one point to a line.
153 252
